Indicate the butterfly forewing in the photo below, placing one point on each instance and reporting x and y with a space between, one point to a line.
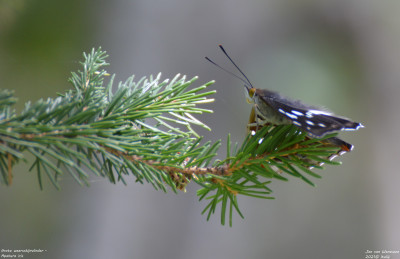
316 123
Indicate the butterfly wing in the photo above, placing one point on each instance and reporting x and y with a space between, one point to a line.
316 123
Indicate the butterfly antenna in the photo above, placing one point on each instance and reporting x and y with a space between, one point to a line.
241 72
227 71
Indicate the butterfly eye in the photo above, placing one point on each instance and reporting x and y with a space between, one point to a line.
252 91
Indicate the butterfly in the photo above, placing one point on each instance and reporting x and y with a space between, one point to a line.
269 107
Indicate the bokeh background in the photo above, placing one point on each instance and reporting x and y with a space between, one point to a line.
342 54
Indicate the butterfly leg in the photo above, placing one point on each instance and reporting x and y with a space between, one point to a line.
256 120
252 125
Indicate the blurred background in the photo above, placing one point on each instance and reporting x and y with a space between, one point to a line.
340 54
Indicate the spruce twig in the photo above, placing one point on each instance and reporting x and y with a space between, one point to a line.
145 129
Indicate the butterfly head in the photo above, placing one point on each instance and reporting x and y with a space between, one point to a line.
250 93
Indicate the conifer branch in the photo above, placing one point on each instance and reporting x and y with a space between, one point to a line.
145 129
